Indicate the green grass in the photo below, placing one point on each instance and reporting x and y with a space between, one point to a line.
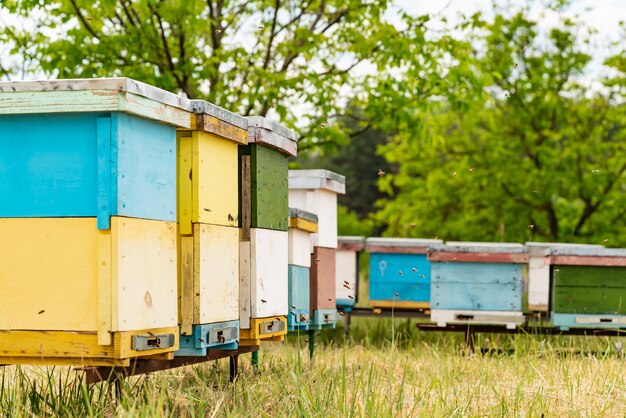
419 374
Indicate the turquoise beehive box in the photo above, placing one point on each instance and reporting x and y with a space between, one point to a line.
476 282
101 147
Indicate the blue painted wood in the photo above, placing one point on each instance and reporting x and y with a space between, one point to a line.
476 286
345 303
407 275
567 321
324 319
220 335
299 294
53 165
103 152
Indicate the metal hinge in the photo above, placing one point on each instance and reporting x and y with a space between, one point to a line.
145 342
270 327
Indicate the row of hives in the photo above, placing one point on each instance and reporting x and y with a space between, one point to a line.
568 285
138 224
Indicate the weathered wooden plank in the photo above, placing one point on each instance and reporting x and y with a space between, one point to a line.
324 204
476 296
186 284
508 319
478 257
216 273
399 304
400 245
246 197
272 135
103 141
52 344
213 125
496 273
104 297
303 224
300 247
150 109
245 284
269 274
299 295
399 277
575 260
146 274
348 243
323 278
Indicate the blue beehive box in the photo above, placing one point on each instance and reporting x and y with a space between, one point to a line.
302 225
478 283
83 148
222 336
399 272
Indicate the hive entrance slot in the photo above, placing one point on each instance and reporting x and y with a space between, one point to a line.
606 320
464 317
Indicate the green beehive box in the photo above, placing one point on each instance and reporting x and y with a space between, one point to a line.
270 146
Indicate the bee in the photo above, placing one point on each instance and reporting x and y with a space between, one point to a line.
381 173
263 301
260 27
293 307
400 273
317 260
346 286
41 311
422 276
454 174
350 297
230 218
323 125
341 313
471 170
218 31
531 226
606 240
414 270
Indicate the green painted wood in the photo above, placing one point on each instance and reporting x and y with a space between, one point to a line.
269 194
592 276
590 300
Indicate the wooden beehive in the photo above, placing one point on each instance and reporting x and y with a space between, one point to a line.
347 270
399 272
208 216
316 191
301 225
89 193
474 282
539 273
264 248
588 287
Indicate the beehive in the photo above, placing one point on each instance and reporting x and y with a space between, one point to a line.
301 225
208 216
347 270
539 273
588 287
264 248
399 272
316 191
476 282
88 192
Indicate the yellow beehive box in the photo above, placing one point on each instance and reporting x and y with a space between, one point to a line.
73 294
208 167
208 215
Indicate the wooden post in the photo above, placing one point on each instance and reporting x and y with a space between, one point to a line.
311 344
255 361
234 366
346 323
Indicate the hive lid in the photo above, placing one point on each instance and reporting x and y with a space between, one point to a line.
303 214
350 243
588 252
92 95
481 247
264 131
317 179
540 248
400 245
206 108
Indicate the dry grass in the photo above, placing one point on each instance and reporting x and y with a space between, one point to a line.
419 375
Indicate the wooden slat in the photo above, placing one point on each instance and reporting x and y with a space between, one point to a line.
574 260
590 276
224 129
103 143
104 287
395 249
147 108
303 224
185 183
186 285
52 344
246 197
476 257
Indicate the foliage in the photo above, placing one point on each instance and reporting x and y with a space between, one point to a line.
300 61
534 153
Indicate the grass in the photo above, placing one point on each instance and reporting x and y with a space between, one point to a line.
418 375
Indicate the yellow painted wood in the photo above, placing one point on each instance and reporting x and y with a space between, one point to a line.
51 274
185 184
254 333
145 283
388 304
48 274
303 224
186 285
104 296
76 348
64 361
215 180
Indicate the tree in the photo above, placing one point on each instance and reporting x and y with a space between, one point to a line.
533 153
298 60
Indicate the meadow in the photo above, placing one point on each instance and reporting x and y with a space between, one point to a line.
384 369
